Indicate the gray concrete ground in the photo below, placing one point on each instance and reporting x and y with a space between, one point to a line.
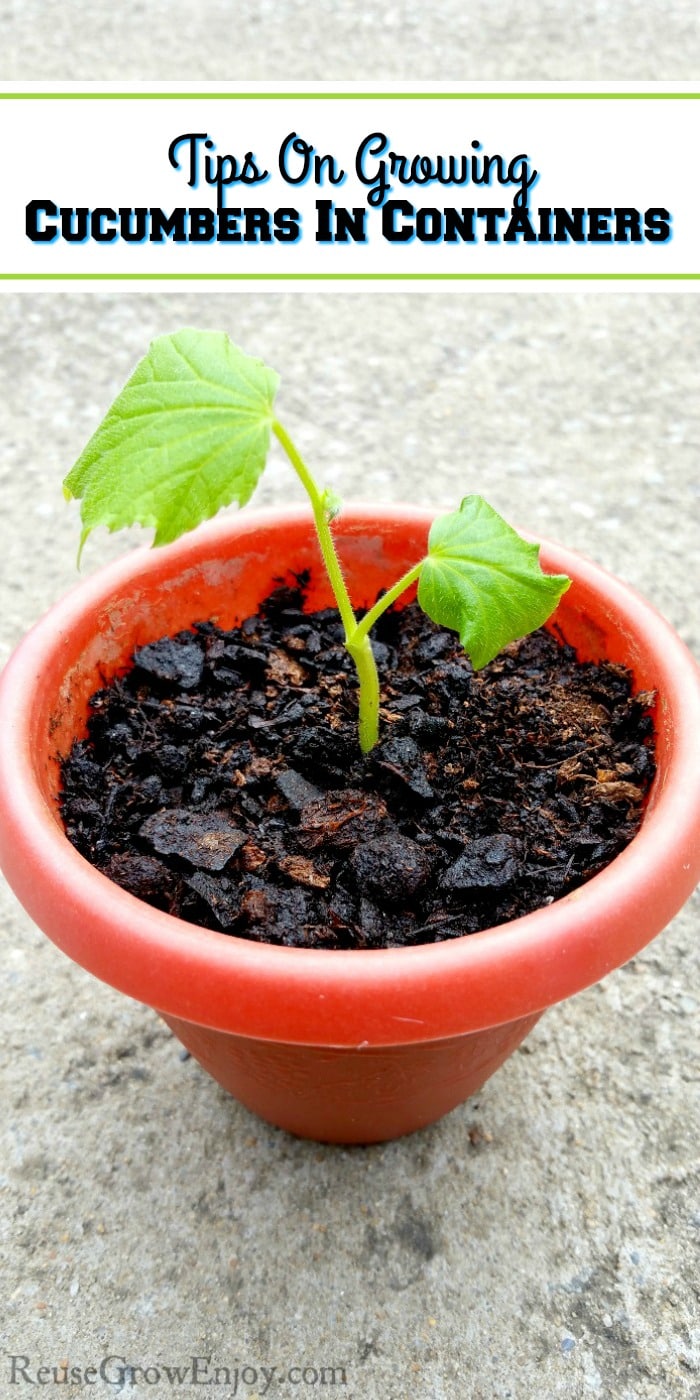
540 1242
293 40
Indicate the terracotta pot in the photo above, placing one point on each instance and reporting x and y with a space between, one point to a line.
339 1046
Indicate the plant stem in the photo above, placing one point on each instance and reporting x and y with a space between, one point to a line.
368 720
386 600
360 648
356 634
323 530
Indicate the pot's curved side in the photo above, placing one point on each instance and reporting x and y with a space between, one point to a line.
360 1095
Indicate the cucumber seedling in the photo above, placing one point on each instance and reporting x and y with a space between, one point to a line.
190 433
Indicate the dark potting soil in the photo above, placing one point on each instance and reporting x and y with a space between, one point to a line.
222 780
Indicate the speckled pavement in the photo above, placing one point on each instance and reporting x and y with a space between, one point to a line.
288 40
542 1240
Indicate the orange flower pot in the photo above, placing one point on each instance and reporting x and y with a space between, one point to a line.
342 1046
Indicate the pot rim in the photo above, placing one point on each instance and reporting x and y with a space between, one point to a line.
351 997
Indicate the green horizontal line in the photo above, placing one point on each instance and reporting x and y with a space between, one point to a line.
349 276
350 96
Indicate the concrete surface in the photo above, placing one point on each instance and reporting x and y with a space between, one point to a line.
341 39
540 1242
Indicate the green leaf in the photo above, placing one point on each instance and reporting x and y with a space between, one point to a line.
188 434
484 581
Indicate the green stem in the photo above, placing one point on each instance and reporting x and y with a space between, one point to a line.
325 538
368 721
359 647
356 634
386 600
